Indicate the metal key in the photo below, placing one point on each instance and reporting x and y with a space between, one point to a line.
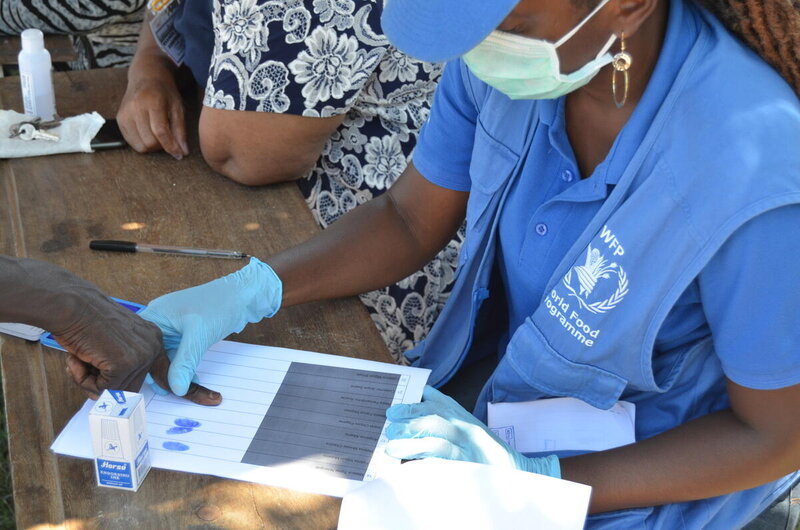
14 131
28 131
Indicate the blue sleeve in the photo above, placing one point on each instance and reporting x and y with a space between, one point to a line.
751 295
444 149
193 22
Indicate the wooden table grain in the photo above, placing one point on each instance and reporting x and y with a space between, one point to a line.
50 208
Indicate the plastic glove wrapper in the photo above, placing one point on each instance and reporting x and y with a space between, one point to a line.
435 494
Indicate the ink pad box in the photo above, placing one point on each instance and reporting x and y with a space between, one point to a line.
119 440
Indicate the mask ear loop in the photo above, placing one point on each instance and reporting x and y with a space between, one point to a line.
622 62
582 23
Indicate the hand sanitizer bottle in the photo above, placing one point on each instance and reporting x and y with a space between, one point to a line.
36 76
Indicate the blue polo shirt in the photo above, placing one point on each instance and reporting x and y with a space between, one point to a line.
552 204
738 316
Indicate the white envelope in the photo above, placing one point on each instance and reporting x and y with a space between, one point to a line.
563 424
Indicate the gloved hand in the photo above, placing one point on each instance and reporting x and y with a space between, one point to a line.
441 428
194 319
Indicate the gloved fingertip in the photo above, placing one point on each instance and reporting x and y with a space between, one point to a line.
392 411
178 382
393 431
394 451
405 449
188 355
398 412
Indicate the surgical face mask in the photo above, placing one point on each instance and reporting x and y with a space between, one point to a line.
525 68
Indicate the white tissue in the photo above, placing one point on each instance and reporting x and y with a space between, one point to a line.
75 134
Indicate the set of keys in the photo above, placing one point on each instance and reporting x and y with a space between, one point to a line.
35 129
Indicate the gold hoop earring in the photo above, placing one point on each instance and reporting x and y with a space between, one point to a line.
622 62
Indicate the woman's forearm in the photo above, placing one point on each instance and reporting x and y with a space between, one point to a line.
374 245
710 456
149 59
366 249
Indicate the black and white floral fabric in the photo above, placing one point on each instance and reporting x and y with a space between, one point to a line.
324 58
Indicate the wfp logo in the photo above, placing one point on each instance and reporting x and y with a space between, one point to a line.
588 275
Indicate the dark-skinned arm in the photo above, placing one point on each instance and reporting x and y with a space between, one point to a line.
257 148
378 243
756 441
109 346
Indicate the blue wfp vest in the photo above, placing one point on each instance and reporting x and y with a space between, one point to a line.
692 182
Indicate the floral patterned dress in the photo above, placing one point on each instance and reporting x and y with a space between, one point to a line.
324 58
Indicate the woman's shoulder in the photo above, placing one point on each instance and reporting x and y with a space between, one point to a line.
730 90
730 129
730 115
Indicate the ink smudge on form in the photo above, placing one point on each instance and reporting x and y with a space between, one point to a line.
184 425
179 430
175 446
186 422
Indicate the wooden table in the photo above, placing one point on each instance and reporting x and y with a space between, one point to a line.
50 207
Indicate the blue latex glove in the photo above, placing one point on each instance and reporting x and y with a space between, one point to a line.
194 319
441 428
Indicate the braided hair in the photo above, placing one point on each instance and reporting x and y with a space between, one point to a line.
770 27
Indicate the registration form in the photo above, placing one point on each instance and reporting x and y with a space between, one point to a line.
289 418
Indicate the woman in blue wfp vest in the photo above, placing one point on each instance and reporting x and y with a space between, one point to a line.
630 176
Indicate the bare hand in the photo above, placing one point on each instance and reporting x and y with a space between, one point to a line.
118 353
151 115
110 347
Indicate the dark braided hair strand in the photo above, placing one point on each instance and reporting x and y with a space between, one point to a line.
770 27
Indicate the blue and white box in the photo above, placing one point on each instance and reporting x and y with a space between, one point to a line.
119 440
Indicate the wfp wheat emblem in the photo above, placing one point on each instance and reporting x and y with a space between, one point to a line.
595 269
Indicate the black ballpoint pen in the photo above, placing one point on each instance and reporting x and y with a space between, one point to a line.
130 246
